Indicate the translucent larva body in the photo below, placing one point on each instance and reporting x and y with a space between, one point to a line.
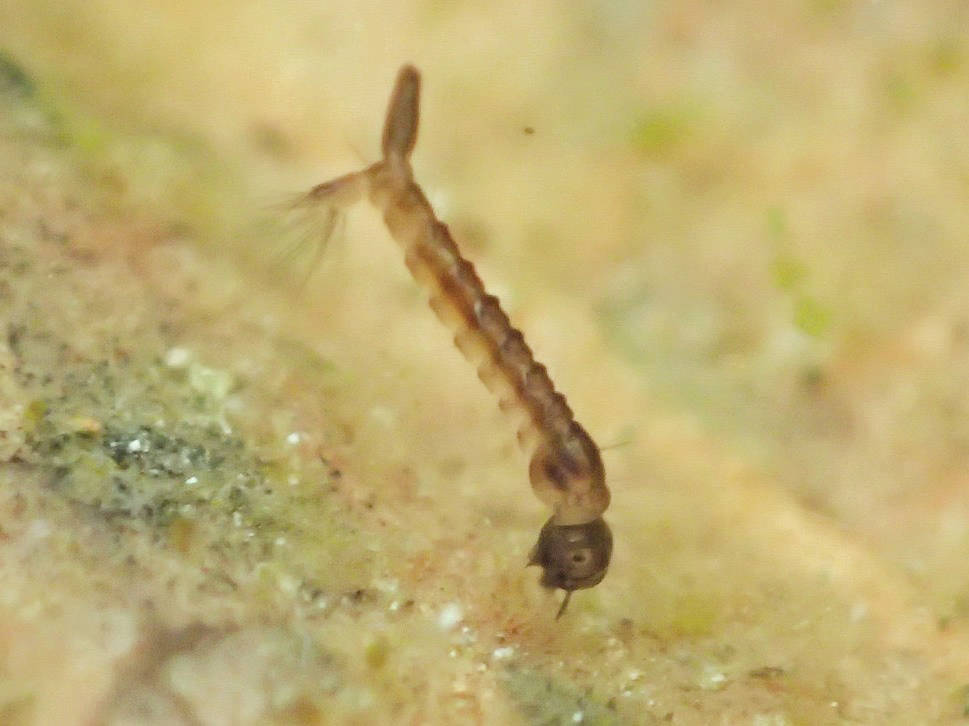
566 472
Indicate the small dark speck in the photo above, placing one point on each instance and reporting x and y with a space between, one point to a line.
813 378
528 131
15 334
358 597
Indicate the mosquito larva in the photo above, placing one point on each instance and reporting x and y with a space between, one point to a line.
566 472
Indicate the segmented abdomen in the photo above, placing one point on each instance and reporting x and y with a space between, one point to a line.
566 471
481 329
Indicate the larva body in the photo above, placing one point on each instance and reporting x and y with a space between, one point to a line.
566 472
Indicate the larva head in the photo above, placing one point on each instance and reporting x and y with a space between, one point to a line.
573 556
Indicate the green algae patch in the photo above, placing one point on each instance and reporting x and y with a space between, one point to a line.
184 476
694 615
811 317
544 699
377 652
124 423
661 130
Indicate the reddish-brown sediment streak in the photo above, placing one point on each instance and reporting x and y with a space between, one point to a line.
566 470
